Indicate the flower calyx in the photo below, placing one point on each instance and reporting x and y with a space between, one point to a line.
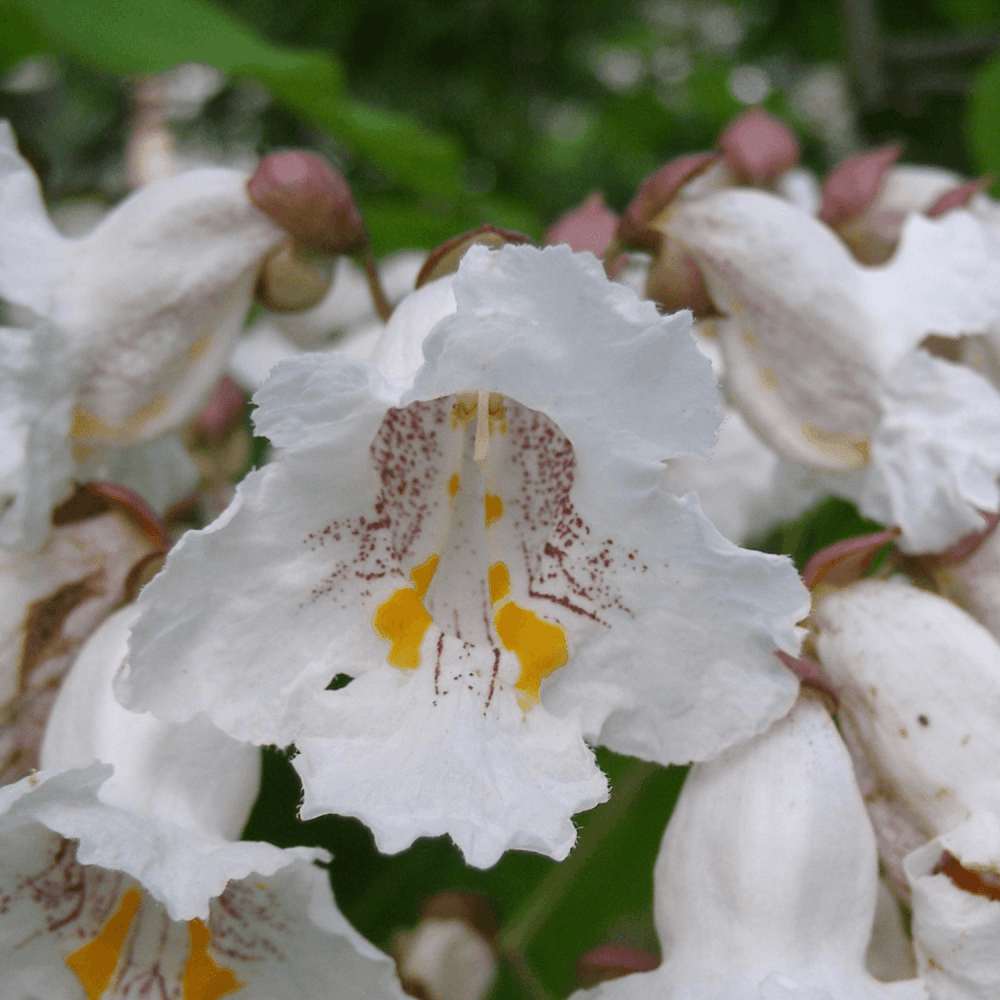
758 148
445 258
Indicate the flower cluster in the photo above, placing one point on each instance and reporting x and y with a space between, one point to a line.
499 531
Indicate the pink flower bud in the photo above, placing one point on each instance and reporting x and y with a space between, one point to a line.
844 562
590 226
958 197
310 200
222 411
758 148
611 961
653 196
852 186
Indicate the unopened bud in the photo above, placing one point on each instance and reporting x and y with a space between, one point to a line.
919 679
450 954
291 280
758 147
222 412
445 258
612 961
590 226
958 197
655 193
675 282
853 185
310 200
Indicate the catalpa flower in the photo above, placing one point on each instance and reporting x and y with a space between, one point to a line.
73 931
823 355
474 531
122 876
765 885
118 337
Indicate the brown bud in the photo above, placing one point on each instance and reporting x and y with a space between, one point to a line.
958 197
853 186
758 147
445 259
675 282
471 908
310 200
612 961
653 196
590 226
291 280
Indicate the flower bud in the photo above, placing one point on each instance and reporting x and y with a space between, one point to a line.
635 231
590 226
852 186
450 954
310 200
958 197
758 148
445 258
291 280
919 681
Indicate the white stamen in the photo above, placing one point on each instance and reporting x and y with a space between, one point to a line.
482 427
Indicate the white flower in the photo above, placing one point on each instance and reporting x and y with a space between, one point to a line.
821 354
121 876
476 534
765 884
119 335
70 931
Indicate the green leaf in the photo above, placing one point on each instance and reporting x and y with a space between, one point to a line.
983 121
830 521
147 36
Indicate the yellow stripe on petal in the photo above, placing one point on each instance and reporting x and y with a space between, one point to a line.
95 963
404 620
423 574
203 979
539 646
494 508
499 582
453 485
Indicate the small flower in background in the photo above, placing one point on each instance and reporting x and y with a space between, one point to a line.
121 335
765 885
472 529
822 356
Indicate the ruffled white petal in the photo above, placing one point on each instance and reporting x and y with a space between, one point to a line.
178 795
554 542
935 456
70 931
956 932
